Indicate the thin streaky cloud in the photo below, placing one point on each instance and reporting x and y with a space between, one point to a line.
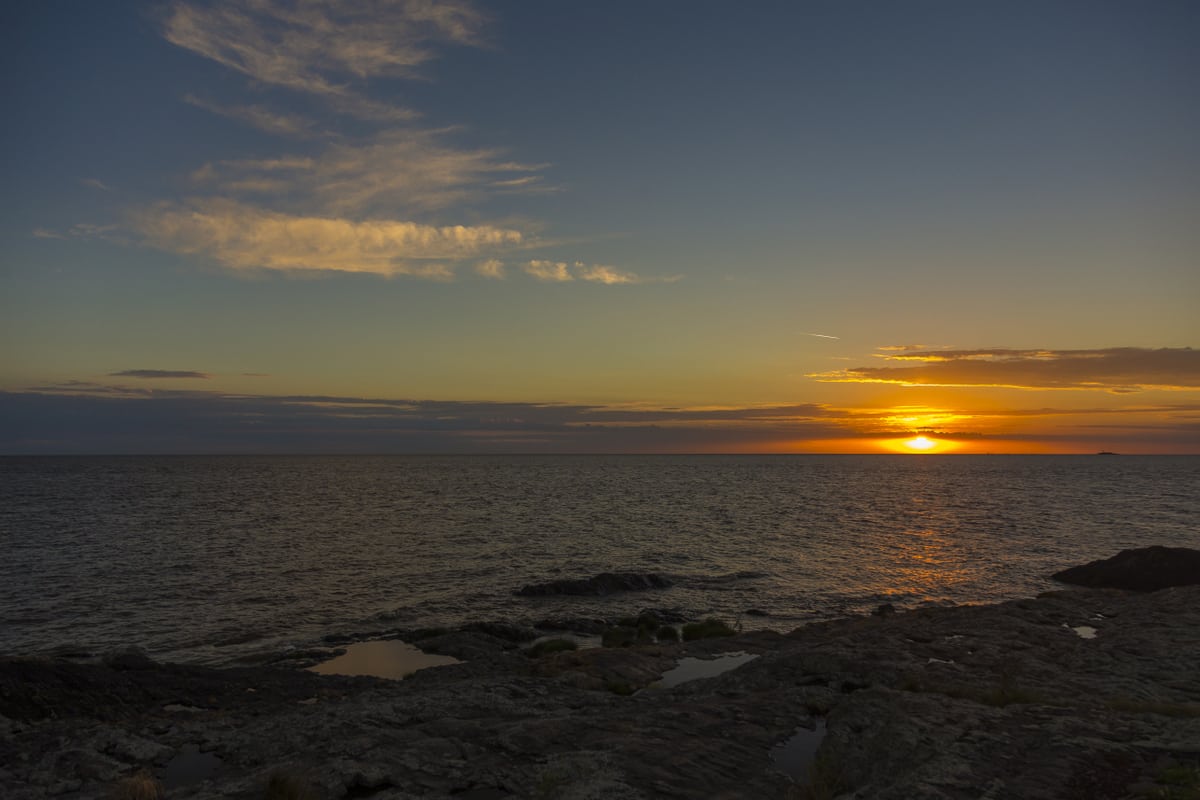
263 119
160 373
78 415
1115 369
822 336
315 47
563 272
82 230
406 168
96 184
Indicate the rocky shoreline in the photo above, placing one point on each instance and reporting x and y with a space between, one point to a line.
1082 693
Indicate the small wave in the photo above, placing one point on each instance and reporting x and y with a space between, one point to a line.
723 579
244 637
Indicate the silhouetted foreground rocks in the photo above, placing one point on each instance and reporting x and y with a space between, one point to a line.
1146 569
1076 694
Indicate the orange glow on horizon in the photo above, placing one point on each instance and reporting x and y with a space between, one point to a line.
919 444
899 445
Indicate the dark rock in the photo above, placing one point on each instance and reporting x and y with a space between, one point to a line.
972 701
503 630
670 616
338 638
574 624
885 610
755 612
603 584
129 658
1144 569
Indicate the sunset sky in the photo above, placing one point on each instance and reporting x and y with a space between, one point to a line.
293 226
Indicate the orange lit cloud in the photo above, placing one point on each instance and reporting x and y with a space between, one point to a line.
1116 369
243 237
561 272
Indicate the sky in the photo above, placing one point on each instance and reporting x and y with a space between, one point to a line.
405 226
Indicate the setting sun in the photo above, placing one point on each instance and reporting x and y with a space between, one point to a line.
920 444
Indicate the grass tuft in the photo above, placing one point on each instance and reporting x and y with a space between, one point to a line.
1177 782
708 629
623 688
1183 710
547 646
286 785
667 633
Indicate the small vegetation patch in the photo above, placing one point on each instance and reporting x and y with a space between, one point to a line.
1154 707
285 785
667 633
710 628
825 780
547 646
619 637
1176 782
645 628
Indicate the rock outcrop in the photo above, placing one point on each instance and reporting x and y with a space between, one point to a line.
1003 701
1145 569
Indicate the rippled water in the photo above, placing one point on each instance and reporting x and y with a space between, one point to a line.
208 559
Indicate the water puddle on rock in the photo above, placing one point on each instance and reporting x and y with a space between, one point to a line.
690 669
188 767
387 658
794 756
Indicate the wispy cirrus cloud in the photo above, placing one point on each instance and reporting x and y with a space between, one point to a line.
1115 369
321 47
82 230
153 374
387 199
413 170
260 117
246 238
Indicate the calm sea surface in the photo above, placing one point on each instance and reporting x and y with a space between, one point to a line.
209 559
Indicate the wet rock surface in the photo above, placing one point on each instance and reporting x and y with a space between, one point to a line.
1004 701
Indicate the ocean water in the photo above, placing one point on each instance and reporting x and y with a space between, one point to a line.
214 559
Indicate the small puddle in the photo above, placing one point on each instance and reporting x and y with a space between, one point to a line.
188 767
794 756
386 658
1085 631
690 669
